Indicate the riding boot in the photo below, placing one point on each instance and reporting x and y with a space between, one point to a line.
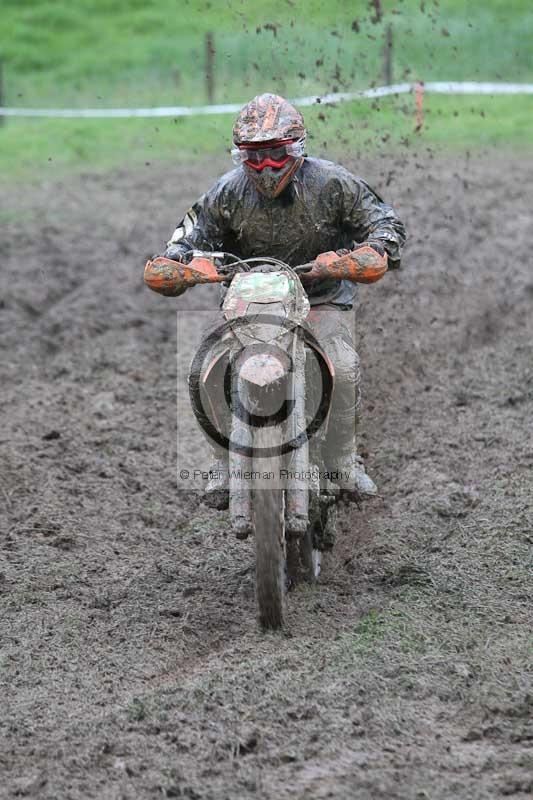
352 477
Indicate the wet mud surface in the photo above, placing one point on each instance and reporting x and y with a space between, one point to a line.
131 665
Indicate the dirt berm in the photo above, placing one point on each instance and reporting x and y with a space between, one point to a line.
131 665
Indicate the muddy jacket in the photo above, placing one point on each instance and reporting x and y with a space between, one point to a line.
324 208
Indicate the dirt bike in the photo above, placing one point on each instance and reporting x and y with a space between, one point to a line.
263 394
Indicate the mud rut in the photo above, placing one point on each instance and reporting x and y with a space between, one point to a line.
131 665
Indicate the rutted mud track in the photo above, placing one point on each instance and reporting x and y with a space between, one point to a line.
130 664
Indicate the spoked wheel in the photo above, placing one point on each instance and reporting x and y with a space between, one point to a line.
269 527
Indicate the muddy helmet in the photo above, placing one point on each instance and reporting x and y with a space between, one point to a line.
269 137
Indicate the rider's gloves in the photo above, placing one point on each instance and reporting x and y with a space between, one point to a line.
356 265
171 277
162 277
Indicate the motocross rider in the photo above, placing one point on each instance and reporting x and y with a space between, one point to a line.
279 202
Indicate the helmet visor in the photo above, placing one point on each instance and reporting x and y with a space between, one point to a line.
269 154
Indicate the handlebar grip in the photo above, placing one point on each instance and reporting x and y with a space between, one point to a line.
363 265
172 278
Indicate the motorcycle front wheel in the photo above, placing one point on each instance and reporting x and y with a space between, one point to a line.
268 510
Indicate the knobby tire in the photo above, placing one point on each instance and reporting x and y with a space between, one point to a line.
269 528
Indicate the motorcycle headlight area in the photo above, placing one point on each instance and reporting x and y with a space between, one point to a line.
262 365
261 381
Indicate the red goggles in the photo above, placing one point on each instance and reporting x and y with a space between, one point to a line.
274 154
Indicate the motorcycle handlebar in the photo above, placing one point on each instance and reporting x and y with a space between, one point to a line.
363 265
172 278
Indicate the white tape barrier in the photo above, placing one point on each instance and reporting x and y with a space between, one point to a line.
471 87
443 87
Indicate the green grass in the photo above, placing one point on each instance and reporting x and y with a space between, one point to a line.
137 51
151 52
380 632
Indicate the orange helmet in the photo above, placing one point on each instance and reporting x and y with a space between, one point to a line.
267 118
269 136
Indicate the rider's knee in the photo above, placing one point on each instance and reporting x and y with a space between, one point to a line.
345 360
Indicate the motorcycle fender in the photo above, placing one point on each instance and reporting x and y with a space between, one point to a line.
212 364
322 353
205 379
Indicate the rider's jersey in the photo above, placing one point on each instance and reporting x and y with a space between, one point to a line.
324 208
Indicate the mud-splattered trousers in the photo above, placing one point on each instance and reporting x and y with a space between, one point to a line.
324 208
333 328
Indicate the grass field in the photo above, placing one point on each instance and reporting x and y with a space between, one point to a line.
130 53
41 147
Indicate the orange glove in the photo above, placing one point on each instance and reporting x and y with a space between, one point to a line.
171 278
363 265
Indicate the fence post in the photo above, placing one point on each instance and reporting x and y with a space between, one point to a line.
419 106
2 118
387 57
209 66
